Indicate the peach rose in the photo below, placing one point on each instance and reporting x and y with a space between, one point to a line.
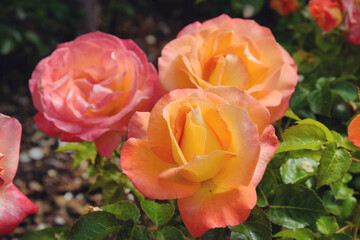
285 7
354 131
231 52
14 205
88 89
207 148
327 13
352 20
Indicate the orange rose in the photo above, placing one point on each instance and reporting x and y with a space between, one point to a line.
285 7
206 148
354 131
230 52
327 13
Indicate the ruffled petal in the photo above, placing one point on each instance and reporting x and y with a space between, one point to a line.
354 131
14 208
143 168
213 207
268 144
10 136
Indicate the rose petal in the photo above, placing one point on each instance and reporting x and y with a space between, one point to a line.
138 125
354 131
10 136
14 208
239 170
143 168
268 144
213 207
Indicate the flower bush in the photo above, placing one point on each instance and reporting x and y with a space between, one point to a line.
251 141
75 88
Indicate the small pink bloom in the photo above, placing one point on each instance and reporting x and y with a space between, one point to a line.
88 89
352 20
14 206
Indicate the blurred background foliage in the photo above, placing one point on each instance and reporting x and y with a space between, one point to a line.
327 62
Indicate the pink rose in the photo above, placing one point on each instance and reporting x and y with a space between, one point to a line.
14 205
352 20
88 89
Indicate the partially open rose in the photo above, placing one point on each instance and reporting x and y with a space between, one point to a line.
14 205
354 131
207 148
285 7
327 13
88 89
231 52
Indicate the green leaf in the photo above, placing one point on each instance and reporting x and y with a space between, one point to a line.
126 231
303 136
341 208
266 187
320 101
159 213
328 133
292 115
168 233
239 6
256 227
124 210
214 234
346 90
341 191
296 170
140 232
341 236
93 226
327 225
295 206
46 234
354 167
333 165
84 151
112 192
298 234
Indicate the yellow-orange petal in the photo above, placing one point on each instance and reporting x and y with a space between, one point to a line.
143 168
239 170
173 73
268 144
354 131
201 168
213 206
257 112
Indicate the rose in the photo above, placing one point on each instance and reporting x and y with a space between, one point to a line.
88 89
327 13
14 205
206 148
354 131
285 7
231 52
352 20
